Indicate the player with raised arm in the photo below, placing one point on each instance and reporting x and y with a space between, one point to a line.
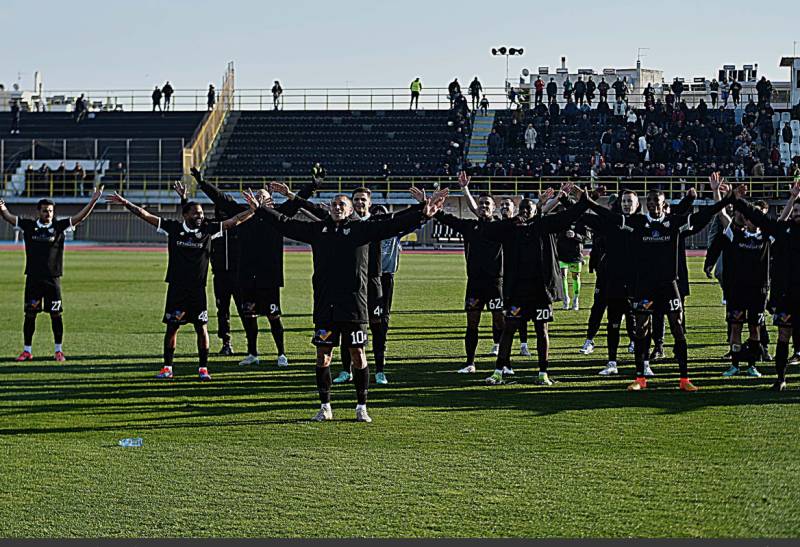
612 253
785 278
746 256
189 249
508 209
44 266
260 274
484 265
655 241
530 276
340 255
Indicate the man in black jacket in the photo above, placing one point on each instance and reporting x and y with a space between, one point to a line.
552 90
340 254
260 274
530 278
785 279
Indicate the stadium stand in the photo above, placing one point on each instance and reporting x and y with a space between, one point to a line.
51 144
346 143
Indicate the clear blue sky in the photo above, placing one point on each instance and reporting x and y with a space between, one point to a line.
116 44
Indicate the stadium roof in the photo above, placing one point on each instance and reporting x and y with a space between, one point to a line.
788 61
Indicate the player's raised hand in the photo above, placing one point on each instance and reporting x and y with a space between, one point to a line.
251 200
3 205
740 191
196 174
417 193
433 204
547 195
279 188
715 179
566 189
180 189
580 193
116 198
794 191
439 196
692 192
463 179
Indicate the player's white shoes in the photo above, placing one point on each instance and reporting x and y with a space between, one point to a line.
566 304
588 347
575 306
495 349
323 415
543 379
508 371
648 372
283 361
610 369
523 349
362 416
249 360
631 348
469 369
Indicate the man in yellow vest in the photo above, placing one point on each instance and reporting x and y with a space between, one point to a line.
416 87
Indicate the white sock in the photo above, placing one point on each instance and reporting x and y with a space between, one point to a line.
58 348
498 371
523 344
542 374
29 349
326 406
361 407
612 364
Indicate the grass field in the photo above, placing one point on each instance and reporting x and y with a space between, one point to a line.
445 456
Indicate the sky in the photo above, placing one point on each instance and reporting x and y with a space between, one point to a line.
352 43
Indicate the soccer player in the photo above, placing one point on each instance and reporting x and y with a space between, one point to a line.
340 253
189 249
746 256
484 263
655 241
225 271
260 275
44 266
508 209
362 201
612 252
530 276
569 249
785 281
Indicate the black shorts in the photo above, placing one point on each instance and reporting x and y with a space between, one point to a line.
43 295
185 305
261 301
529 307
787 311
351 335
746 306
484 294
658 300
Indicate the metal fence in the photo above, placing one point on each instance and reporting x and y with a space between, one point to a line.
339 98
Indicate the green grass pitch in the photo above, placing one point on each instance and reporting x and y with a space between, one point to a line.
445 456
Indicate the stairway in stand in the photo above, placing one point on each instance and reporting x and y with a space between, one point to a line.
481 127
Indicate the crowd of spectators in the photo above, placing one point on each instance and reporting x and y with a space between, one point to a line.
44 181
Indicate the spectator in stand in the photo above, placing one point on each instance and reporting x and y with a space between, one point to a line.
167 91
602 113
677 89
475 90
642 147
567 89
512 96
570 112
211 96
631 120
484 105
277 91
764 90
416 88
580 91
156 96
555 110
530 137
602 89
619 90
453 90
590 89
494 143
649 95
15 110
786 133
552 90
713 89
80 109
606 142
619 107
318 172
538 86
385 172
736 90
563 150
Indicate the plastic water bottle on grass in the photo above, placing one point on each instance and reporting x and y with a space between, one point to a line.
131 442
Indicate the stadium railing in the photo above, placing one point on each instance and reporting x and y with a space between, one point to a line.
155 187
346 98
